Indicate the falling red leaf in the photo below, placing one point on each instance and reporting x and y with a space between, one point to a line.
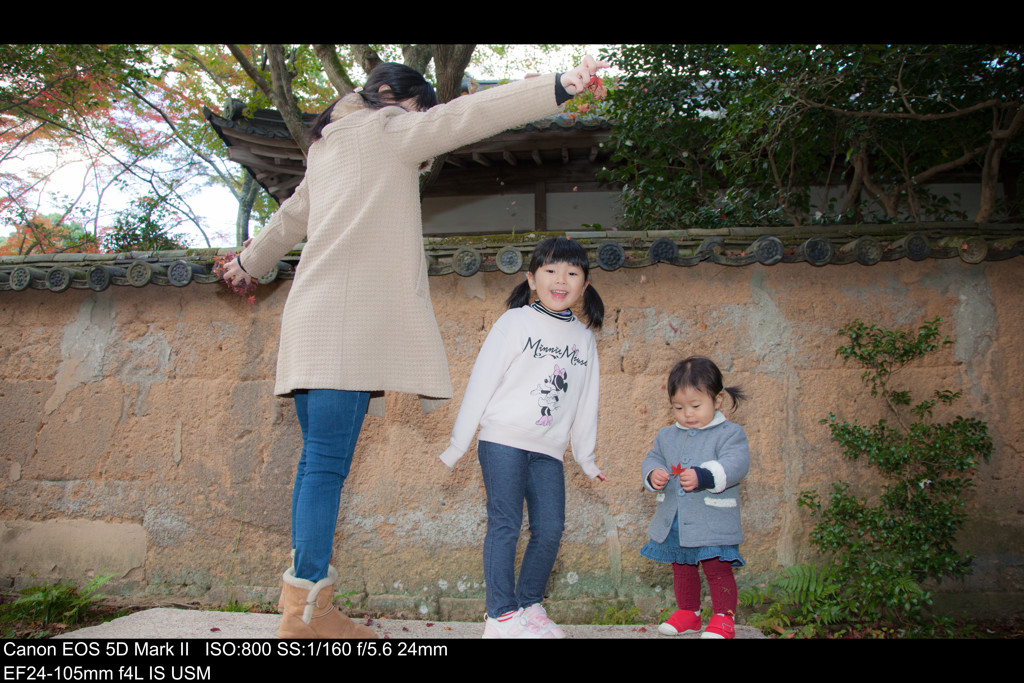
430 623
596 86
677 469
214 629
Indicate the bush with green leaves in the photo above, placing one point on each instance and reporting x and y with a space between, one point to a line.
881 552
886 549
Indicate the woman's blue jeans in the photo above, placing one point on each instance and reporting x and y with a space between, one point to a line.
330 421
512 475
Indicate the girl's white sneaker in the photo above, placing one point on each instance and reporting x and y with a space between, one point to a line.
536 614
513 625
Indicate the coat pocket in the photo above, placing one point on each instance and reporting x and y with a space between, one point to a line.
723 514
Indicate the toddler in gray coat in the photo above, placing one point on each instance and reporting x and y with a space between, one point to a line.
695 468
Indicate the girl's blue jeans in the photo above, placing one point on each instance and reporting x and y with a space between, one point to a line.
512 475
330 421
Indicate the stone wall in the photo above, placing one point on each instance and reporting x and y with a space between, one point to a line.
140 435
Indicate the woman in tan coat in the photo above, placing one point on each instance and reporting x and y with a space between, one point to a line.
354 326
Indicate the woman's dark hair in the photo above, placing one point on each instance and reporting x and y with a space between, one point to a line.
405 83
697 372
561 250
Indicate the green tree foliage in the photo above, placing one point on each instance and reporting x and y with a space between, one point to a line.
49 97
145 226
133 115
712 135
109 107
56 87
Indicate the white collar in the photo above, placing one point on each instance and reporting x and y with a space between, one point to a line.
718 419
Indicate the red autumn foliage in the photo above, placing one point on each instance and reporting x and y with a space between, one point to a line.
239 287
39 235
597 88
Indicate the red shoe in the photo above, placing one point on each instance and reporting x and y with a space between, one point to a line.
720 626
682 621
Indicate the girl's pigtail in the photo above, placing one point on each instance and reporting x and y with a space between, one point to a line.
519 297
736 394
593 307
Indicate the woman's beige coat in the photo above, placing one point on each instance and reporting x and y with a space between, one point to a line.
359 315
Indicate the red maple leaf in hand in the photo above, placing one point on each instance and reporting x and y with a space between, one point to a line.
677 469
596 86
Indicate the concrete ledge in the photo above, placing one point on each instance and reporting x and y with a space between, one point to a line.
175 623
72 550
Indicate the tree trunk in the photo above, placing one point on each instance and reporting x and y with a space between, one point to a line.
450 62
367 56
417 56
284 98
1001 137
877 193
336 73
853 188
246 200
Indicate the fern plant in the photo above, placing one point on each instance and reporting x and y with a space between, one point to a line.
883 551
63 602
804 600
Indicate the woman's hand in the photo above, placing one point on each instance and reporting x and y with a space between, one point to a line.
577 80
233 271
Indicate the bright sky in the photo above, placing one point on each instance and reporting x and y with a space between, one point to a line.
217 207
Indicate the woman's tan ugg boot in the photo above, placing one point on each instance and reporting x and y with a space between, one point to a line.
280 598
309 610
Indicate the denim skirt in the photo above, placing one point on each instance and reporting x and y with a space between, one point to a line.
671 552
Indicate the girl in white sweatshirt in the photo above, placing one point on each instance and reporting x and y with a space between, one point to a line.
533 391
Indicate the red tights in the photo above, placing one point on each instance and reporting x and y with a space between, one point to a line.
721 585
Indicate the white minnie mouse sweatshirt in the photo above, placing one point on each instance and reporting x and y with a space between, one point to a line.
534 386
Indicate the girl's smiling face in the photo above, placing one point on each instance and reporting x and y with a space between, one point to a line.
559 286
693 408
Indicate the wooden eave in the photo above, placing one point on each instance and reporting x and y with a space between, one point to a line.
562 152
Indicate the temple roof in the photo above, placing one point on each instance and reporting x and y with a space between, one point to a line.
563 151
861 244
